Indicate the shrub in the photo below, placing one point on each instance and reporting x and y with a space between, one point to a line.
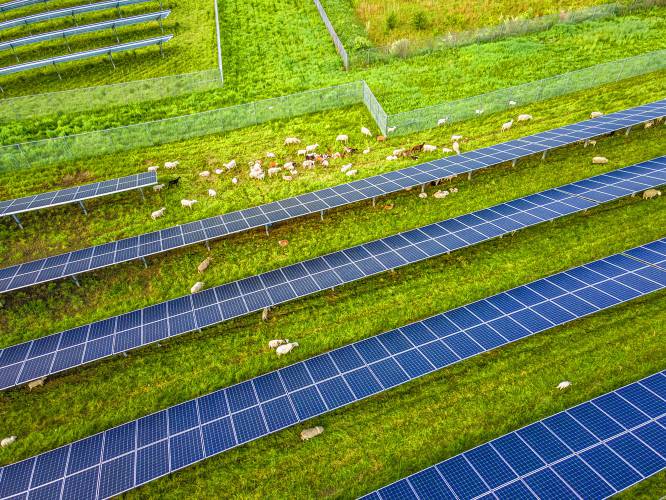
420 21
400 48
361 43
391 21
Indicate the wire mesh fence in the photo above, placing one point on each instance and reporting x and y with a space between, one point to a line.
331 30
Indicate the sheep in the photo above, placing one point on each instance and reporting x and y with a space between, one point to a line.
270 155
479 111
283 243
158 187
230 165
524 118
649 124
366 151
311 148
506 126
391 157
274 171
312 432
423 195
512 103
36 383
205 173
188 203
324 163
7 441
429 148
447 150
274 344
286 348
456 147
153 168
563 385
158 213
197 287
171 164
441 122
398 152
450 177
204 264
234 180
651 193
596 114
366 131
308 164
256 172
218 171
456 137
391 129
346 167
599 160
173 182
337 155
302 152
453 190
342 138
441 194
289 165
287 178
212 193
590 142
350 173
289 141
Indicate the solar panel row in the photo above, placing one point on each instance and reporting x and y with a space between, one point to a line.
137 452
52 268
593 450
65 350
17 4
71 11
87 28
77 56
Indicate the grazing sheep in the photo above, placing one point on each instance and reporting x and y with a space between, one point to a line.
264 314
563 385
153 168
651 193
36 383
590 142
274 171
429 148
311 148
453 190
599 160
391 157
441 122
302 152
289 165
391 129
423 195
342 138
441 194
596 114
456 147
7 441
456 137
158 187
234 180
512 103
380 138
350 173
283 243
204 264
346 167
218 171
478 111
197 287
308 164
398 152
270 155
524 118
366 151
336 155
212 193
171 164
205 173
256 172
287 178
506 126
158 213
649 124
188 203
324 163
173 182
286 348
290 141
274 344
366 131
450 177
447 150
312 432
230 165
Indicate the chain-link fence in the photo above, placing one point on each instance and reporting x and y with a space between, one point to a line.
331 30
540 90
102 142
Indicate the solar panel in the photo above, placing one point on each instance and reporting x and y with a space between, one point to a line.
61 351
71 11
201 231
593 450
76 194
17 4
88 28
112 49
124 457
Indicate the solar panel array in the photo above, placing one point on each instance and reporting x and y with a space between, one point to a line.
76 194
77 56
88 28
61 351
593 450
17 4
128 249
71 11
134 453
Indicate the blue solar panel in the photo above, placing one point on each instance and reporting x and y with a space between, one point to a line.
21 363
17 4
309 203
543 460
622 432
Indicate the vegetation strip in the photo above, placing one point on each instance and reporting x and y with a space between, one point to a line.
65 350
124 457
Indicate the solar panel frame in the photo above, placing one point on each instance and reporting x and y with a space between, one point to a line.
17 4
81 345
271 213
76 56
75 195
124 457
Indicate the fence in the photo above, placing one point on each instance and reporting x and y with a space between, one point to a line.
331 30
219 41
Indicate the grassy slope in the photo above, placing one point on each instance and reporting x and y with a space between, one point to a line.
401 85
404 430
191 49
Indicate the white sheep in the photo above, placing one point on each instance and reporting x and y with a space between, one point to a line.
197 287
398 152
212 193
324 163
188 203
171 164
599 160
590 142
302 152
429 148
453 190
479 111
456 147
158 187
342 138
391 129
287 178
350 173
289 165
36 383
312 432
274 344
7 441
366 151
289 141
512 103
230 164
596 114
234 180
153 168
256 172
158 213
456 137
274 171
649 124
651 193
218 171
270 155
524 118
204 265
286 348
205 173
366 131
308 164
346 167
391 158
563 385
441 122
506 126
423 195
441 194
447 150
311 148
